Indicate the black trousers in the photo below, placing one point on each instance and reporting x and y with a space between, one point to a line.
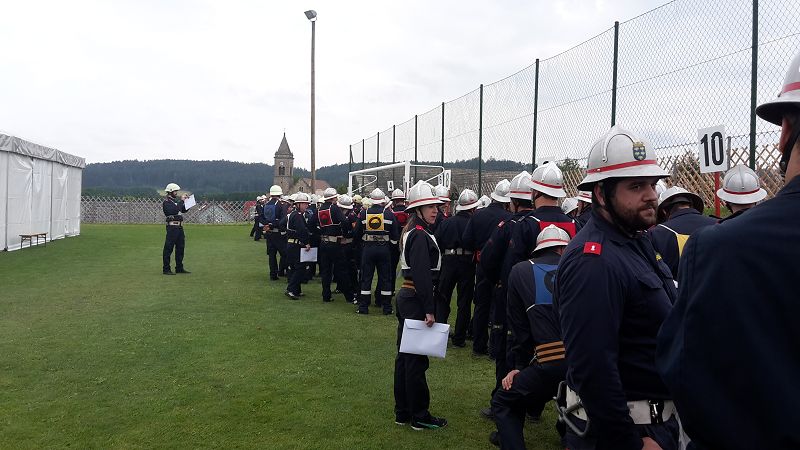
375 256
395 251
499 336
257 230
532 388
351 265
333 265
458 273
276 245
411 394
295 269
175 240
480 317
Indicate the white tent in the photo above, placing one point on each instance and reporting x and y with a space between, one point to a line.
40 191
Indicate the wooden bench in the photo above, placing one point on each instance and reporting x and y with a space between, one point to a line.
29 238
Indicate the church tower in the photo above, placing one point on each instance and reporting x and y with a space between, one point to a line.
284 164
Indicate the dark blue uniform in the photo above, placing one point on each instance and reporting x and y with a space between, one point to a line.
536 348
585 215
401 216
669 237
332 262
612 295
175 238
298 232
476 234
314 239
276 238
420 268
378 230
523 236
729 350
458 270
257 230
349 249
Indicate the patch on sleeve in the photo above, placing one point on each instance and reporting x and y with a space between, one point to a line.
500 225
593 248
419 227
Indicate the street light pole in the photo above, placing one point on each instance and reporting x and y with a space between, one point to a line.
312 16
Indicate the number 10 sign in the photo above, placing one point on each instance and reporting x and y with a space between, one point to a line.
711 149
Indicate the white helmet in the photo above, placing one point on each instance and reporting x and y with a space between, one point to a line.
442 192
661 187
520 186
398 194
569 205
329 193
377 196
619 154
788 98
548 180
484 201
314 198
301 197
585 196
285 198
275 190
467 200
172 187
422 194
366 203
741 186
357 199
674 195
500 193
551 236
345 202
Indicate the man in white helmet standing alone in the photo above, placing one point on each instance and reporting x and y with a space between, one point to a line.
729 350
175 238
612 295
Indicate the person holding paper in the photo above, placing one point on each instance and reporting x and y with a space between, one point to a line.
420 260
298 239
175 238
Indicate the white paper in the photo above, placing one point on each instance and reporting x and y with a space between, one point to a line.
309 255
419 339
189 202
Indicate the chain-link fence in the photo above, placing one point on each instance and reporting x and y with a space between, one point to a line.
665 74
148 210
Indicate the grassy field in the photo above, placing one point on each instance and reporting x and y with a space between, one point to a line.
99 350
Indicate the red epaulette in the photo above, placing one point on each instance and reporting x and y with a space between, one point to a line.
419 227
500 225
593 248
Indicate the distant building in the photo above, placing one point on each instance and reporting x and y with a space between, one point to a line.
284 166
304 185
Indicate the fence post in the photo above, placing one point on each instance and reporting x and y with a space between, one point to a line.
480 145
394 140
753 87
614 81
415 148
350 163
362 154
442 134
535 114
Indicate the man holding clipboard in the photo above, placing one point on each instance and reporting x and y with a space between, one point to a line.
175 238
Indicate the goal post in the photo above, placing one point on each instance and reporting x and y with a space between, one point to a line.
400 175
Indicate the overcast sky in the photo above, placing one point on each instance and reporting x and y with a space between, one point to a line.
154 79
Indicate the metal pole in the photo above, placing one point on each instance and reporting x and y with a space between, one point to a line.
415 148
614 82
394 140
535 114
480 146
350 163
442 133
378 151
362 153
313 162
753 87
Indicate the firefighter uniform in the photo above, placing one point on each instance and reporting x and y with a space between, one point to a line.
401 216
349 245
175 238
276 239
476 234
298 232
458 270
378 230
523 235
257 231
669 238
332 262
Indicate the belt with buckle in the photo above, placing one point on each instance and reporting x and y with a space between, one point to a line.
330 238
642 412
293 241
175 222
457 251
376 238
346 241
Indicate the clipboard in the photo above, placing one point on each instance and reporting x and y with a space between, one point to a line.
309 255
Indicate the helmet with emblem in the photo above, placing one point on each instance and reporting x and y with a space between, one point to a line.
741 186
467 200
329 193
501 189
551 236
345 202
569 204
275 190
620 154
377 196
172 187
421 194
519 187
677 194
398 194
442 192
548 180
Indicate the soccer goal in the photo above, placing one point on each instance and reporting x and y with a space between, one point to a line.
401 175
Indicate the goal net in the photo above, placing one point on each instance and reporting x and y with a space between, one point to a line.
401 175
